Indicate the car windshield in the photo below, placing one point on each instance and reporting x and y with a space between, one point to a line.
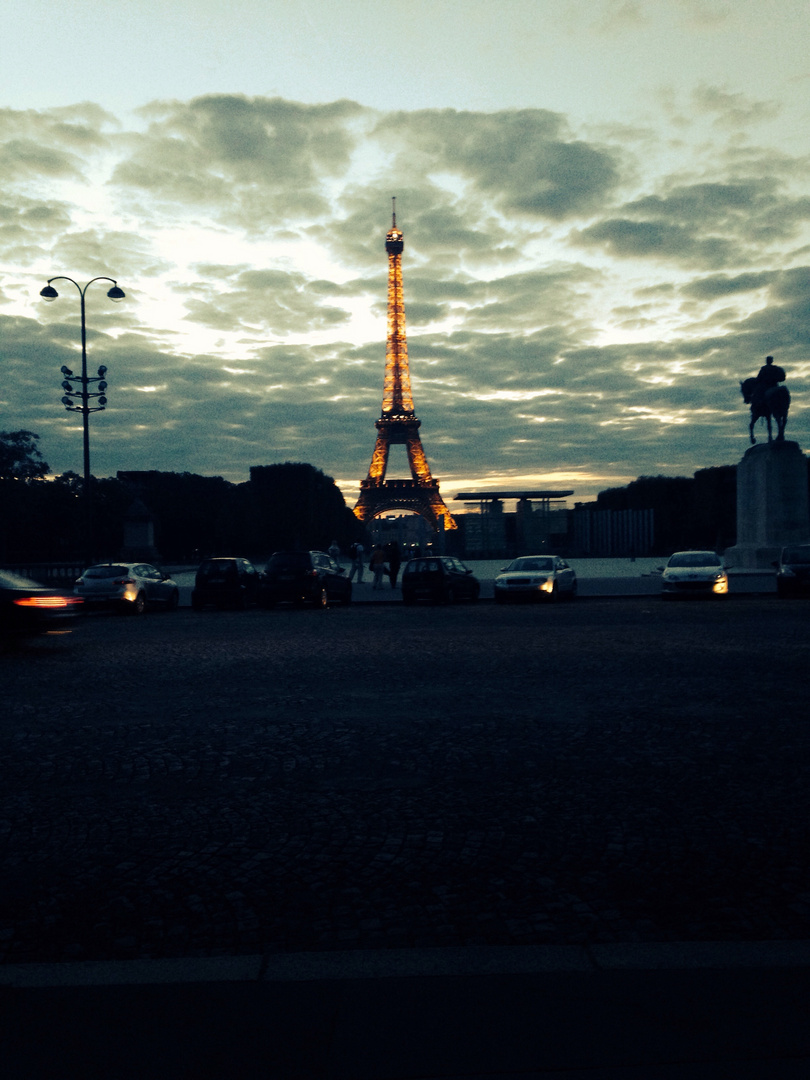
695 558
216 567
797 555
290 560
534 564
105 571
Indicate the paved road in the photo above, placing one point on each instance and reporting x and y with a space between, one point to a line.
379 777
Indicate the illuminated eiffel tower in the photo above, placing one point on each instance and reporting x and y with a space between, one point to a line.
398 422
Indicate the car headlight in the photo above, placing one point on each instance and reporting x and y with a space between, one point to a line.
720 583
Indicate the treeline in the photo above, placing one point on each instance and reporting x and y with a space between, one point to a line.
281 506
696 512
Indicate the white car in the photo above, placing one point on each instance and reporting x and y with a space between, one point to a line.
535 577
129 587
694 573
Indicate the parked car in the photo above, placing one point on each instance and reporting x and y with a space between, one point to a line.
304 577
793 571
225 583
441 579
28 608
129 587
536 577
694 573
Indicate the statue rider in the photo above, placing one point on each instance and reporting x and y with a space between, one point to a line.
769 375
767 397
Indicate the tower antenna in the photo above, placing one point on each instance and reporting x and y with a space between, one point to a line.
394 211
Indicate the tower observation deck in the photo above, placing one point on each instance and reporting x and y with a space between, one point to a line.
398 423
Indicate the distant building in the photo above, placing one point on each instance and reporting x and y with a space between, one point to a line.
539 523
617 533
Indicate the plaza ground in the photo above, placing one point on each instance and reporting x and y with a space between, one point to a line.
541 783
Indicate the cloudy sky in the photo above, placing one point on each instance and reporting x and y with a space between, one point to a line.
606 209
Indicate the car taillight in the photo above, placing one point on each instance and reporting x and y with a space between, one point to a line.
48 601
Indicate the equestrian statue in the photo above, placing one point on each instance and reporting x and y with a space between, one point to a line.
768 398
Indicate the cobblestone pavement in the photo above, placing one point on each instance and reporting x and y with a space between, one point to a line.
610 770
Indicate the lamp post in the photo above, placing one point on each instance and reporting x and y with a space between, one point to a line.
84 394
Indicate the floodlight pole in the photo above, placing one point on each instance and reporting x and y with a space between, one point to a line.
85 394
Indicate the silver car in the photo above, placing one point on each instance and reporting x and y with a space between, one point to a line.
536 577
129 587
694 573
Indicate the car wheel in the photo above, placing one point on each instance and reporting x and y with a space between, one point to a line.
555 593
138 605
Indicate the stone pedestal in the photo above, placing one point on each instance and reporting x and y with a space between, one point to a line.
772 504
139 533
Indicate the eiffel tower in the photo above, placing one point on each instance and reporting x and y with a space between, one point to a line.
398 422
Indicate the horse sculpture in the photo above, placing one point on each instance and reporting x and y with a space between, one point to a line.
771 402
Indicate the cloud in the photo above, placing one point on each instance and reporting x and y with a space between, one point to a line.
714 224
275 301
51 144
575 306
733 110
28 225
250 160
721 285
524 160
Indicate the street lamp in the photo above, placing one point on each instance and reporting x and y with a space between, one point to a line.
84 395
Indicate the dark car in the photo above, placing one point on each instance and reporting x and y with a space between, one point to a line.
129 587
304 577
28 608
225 583
441 579
793 571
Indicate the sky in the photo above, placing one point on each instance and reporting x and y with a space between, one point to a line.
605 205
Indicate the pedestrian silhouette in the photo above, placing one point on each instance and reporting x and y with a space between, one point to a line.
394 560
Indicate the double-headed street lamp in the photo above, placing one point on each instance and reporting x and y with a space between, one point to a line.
84 395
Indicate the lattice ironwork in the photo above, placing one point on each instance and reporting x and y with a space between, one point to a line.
398 422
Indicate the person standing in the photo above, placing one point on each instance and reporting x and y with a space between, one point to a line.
334 551
376 565
358 553
394 560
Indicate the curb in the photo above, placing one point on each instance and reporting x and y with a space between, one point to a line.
415 963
